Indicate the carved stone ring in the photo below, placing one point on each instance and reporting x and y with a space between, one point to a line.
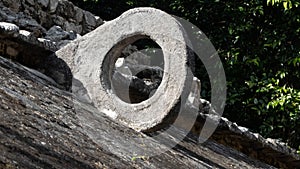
91 59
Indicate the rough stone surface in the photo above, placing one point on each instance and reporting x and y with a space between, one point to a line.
24 47
12 32
133 87
59 36
39 128
84 56
13 4
31 2
39 124
89 21
97 60
78 14
20 19
44 14
44 3
65 9
53 5
240 138
8 30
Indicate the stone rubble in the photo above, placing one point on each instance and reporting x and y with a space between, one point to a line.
43 17
269 150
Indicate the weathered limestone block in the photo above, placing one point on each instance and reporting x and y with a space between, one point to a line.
78 14
92 57
58 20
14 5
56 33
31 2
43 14
59 36
20 19
8 30
70 26
65 9
89 22
99 21
44 3
44 19
53 5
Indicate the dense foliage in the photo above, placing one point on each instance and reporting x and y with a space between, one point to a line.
259 44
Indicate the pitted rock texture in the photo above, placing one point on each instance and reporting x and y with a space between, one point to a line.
31 30
92 63
38 53
8 30
42 111
39 128
41 15
270 151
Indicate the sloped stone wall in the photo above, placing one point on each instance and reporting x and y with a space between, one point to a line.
39 128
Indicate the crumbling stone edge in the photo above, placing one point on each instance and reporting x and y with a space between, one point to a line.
271 151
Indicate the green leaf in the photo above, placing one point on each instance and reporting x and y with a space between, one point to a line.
285 5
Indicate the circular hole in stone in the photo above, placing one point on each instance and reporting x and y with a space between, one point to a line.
138 71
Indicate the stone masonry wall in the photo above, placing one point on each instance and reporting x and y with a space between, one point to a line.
31 30
38 16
